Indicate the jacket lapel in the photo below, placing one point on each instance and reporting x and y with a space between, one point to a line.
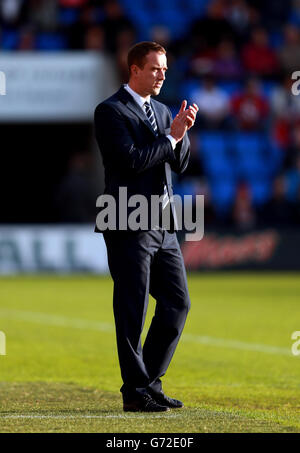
134 107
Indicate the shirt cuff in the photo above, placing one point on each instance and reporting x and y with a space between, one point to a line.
173 141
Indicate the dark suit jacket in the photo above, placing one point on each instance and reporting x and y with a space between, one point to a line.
133 156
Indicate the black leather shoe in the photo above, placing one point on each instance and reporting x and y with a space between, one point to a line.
165 400
144 404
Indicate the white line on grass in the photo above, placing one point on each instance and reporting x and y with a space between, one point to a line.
234 344
56 320
68 417
63 321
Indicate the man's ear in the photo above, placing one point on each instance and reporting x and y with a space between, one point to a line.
134 69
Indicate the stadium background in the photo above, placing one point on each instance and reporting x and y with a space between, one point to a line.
235 58
234 367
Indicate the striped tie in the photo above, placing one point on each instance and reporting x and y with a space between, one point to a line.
151 118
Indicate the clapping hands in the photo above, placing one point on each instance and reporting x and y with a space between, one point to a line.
184 120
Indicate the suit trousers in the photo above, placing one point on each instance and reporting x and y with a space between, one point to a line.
143 263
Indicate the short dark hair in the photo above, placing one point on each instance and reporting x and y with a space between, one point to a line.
139 51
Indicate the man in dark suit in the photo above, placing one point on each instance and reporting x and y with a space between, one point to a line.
140 145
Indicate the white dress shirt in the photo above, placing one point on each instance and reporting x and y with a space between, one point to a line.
141 102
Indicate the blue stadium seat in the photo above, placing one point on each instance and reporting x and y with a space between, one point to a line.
188 87
268 87
50 41
276 39
196 7
136 10
176 15
185 188
231 87
294 17
247 144
220 167
256 155
68 16
261 190
214 153
212 143
249 154
292 181
275 157
223 195
9 40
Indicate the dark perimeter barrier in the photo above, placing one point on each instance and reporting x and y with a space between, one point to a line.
269 249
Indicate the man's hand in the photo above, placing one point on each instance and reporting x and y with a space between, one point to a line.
191 113
184 120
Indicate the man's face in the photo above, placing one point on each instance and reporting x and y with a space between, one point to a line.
152 76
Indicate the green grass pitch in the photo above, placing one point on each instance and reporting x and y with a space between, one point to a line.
233 368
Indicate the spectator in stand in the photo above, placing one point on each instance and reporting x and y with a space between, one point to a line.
13 13
227 64
297 209
214 105
273 13
93 14
257 55
243 214
214 26
278 212
293 167
80 22
203 60
125 39
294 17
13 18
26 39
114 23
76 194
285 109
94 38
293 182
44 14
250 108
44 20
283 102
241 16
289 54
73 3
206 34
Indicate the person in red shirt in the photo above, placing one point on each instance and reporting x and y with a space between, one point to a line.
73 3
258 57
250 108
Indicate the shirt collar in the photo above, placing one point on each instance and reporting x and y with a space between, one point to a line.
137 97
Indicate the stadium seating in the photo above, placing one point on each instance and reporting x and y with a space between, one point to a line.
177 15
232 158
223 195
